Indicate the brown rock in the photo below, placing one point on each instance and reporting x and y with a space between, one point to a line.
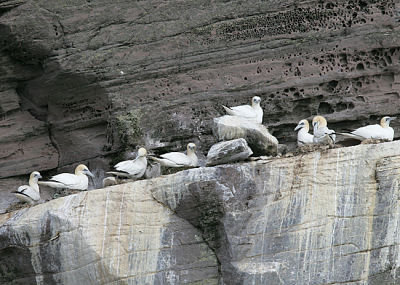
77 68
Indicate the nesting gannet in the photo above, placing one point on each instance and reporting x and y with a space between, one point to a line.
378 132
253 112
303 137
29 193
77 181
322 135
132 168
178 159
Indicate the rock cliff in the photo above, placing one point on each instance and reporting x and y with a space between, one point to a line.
326 217
81 80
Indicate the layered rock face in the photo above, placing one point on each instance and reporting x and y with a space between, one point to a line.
80 78
327 217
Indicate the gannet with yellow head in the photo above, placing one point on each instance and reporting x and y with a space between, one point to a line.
178 159
383 131
30 193
303 137
253 112
322 135
132 168
77 181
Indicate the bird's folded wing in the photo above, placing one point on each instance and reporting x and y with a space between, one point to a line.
29 192
67 179
22 189
121 166
244 111
368 132
177 157
129 166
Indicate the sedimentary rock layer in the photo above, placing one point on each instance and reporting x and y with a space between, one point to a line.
326 217
155 73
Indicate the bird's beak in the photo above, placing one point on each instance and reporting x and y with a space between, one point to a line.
297 127
89 173
393 118
40 176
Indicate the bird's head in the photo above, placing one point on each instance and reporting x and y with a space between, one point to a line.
385 121
318 122
191 147
142 151
255 101
82 169
35 176
302 124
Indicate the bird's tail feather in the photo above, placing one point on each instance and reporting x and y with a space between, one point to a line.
119 173
154 158
229 111
353 136
53 184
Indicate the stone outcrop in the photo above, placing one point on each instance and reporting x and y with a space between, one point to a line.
228 152
326 217
256 135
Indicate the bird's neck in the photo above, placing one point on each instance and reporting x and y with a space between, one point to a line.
191 154
255 105
34 184
193 157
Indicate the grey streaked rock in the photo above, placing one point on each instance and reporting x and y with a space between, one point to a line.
228 151
326 217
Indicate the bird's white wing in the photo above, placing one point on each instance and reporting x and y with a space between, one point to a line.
243 111
130 166
67 179
177 157
369 132
28 191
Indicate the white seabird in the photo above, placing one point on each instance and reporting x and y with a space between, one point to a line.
29 193
132 168
322 135
77 181
303 137
178 159
253 112
378 132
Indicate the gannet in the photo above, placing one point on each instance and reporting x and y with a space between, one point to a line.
77 181
132 168
29 193
322 135
253 112
303 137
378 132
178 159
